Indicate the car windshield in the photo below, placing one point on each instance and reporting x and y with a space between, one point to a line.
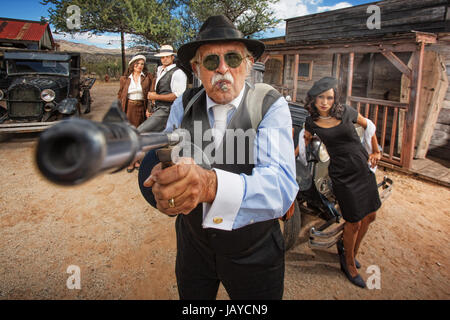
40 66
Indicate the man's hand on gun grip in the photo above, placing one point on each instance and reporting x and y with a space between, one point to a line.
185 182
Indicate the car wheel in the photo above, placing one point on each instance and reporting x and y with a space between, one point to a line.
291 228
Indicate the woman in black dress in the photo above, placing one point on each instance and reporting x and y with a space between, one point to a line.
354 184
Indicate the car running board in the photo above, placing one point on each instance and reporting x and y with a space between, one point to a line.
325 239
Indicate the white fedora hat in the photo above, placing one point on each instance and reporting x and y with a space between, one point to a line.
137 57
165 51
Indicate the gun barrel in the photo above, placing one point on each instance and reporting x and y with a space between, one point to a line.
76 150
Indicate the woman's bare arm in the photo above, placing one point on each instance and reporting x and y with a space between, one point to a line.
307 136
362 121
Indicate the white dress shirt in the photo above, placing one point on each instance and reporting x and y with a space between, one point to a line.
178 82
230 190
269 191
135 89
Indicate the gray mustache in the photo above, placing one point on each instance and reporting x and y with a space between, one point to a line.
219 77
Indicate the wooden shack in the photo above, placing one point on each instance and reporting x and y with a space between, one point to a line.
396 75
26 34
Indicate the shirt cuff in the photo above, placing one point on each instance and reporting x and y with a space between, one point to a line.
225 207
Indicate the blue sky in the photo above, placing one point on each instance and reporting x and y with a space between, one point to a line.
33 10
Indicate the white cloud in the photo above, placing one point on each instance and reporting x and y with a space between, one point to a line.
337 6
286 9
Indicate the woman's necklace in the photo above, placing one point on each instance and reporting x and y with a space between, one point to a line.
325 118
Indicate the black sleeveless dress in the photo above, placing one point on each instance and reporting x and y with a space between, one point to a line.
354 184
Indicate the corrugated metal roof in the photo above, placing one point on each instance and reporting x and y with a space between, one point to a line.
22 30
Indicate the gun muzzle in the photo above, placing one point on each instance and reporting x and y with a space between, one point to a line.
76 150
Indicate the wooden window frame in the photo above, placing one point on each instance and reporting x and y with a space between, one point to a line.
311 64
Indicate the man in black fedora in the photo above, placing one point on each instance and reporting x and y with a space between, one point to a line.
227 217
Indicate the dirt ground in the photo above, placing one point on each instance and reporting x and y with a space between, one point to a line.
125 249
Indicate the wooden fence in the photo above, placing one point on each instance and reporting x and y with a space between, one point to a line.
386 115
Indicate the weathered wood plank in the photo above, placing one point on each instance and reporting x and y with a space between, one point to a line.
447 95
411 114
295 77
424 20
444 117
389 18
442 127
380 102
332 34
440 138
439 152
397 63
434 86
350 76
393 133
390 6
383 130
343 49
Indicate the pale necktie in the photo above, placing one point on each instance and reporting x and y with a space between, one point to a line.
220 122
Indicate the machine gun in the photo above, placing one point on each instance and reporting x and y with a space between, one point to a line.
75 150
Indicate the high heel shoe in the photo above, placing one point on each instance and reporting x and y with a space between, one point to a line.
357 280
340 248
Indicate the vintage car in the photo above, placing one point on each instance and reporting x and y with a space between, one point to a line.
41 87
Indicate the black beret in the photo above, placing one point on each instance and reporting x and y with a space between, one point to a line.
322 85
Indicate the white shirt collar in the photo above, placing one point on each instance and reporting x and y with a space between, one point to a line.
173 65
131 75
235 103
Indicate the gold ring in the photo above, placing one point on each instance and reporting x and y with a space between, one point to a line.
171 203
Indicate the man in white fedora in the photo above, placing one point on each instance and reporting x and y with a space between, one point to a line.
170 83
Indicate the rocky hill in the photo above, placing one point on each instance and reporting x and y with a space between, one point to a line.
65 45
100 61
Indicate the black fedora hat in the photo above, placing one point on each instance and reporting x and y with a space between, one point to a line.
218 29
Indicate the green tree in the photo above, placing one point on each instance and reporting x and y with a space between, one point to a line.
157 22
154 21
249 16
147 18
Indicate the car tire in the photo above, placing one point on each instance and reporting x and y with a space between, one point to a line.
291 228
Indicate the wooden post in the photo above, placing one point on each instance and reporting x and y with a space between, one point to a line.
435 84
265 58
336 68
351 59
294 98
370 74
397 62
410 125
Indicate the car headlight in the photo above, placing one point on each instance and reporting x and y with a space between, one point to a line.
48 95
323 153
2 94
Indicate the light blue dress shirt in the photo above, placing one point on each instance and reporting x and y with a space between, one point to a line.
271 188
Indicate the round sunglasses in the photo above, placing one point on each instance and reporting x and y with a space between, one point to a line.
232 59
